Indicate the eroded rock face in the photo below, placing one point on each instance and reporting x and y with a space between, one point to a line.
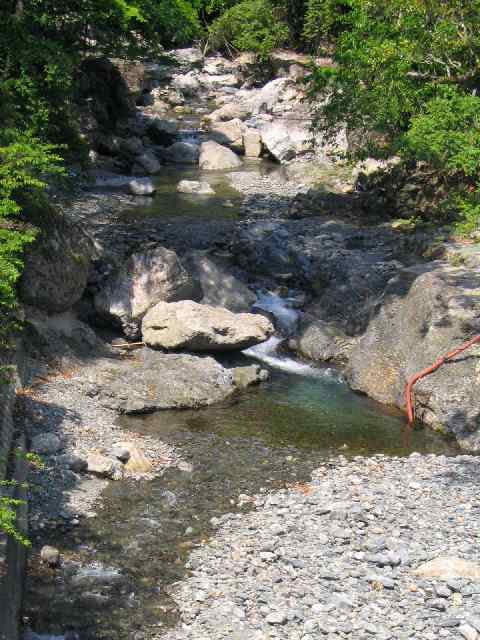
425 313
214 156
56 266
220 287
198 327
165 381
145 279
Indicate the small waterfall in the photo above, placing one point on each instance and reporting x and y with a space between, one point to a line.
287 320
286 317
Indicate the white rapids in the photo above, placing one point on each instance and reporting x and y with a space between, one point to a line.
286 319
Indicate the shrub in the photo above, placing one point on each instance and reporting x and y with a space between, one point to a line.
251 25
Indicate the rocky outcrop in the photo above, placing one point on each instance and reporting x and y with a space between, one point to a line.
196 327
214 157
286 138
57 265
145 279
160 381
425 313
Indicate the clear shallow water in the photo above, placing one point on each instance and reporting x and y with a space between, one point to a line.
311 408
169 202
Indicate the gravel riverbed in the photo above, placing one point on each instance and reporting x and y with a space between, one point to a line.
340 557
66 407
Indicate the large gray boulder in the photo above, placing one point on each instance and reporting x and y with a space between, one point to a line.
197 327
158 381
145 279
425 313
57 265
214 156
287 138
322 341
221 288
163 131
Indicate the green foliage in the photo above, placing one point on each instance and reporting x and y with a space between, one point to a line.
24 164
8 517
323 21
446 133
250 25
404 81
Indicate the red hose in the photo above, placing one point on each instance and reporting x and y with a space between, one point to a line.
418 376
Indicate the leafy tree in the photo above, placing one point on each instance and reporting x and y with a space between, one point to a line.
402 69
250 25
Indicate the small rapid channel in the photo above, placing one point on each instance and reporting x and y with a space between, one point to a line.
119 566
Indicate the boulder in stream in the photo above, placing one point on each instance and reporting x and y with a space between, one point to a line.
214 156
196 327
142 187
145 279
195 186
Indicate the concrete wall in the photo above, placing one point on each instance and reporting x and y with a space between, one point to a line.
12 555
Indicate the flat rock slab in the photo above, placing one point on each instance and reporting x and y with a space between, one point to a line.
165 381
197 327
157 381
